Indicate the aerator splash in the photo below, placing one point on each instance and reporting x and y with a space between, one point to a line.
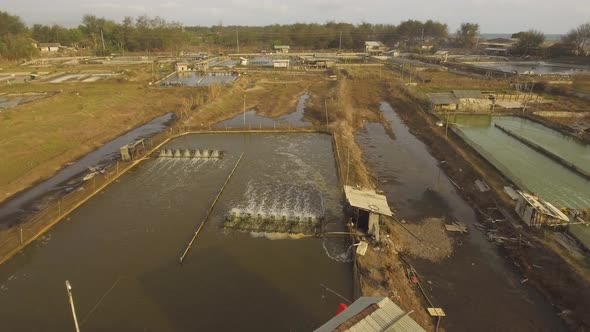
186 153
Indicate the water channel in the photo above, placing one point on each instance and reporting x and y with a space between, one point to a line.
251 119
120 250
27 201
476 287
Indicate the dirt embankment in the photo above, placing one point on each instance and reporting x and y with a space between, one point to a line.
562 279
352 101
42 136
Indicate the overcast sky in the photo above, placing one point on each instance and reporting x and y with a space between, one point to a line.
494 16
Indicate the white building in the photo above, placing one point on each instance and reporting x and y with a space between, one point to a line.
280 63
282 48
49 47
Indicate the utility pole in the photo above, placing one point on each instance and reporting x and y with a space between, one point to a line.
347 165
102 37
238 40
71 299
340 44
326 107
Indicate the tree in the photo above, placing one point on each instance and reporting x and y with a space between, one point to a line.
11 24
528 40
466 35
580 37
14 38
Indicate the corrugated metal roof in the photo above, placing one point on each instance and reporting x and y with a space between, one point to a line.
373 43
443 98
387 317
367 200
473 94
544 207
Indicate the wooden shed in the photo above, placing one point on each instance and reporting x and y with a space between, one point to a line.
369 207
129 151
536 212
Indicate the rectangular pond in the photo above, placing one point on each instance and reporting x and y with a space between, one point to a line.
528 168
534 68
120 250
191 78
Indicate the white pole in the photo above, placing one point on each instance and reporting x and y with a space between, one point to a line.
71 299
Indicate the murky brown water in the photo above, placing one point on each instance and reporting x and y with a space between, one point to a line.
120 250
476 287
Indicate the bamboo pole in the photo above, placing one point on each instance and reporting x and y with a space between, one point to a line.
190 244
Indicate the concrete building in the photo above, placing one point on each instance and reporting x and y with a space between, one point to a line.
369 207
536 212
282 48
444 101
374 48
497 46
181 66
442 56
280 63
129 151
49 47
372 314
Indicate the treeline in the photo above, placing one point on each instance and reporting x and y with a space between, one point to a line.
106 36
102 36
14 38
331 35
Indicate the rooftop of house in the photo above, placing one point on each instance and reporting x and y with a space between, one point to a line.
372 314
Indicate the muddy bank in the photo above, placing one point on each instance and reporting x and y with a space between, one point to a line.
30 201
563 284
413 181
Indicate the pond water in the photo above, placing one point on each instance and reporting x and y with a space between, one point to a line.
190 78
535 68
251 119
528 168
475 286
8 101
120 250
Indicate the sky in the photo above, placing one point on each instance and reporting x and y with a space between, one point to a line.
494 16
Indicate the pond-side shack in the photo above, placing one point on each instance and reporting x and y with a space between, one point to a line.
129 151
536 212
369 207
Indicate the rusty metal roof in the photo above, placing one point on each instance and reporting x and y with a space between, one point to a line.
472 94
443 98
368 200
543 206
372 314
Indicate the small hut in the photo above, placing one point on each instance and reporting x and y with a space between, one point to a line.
536 212
369 207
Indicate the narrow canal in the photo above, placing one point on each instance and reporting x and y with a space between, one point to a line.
477 288
31 199
120 250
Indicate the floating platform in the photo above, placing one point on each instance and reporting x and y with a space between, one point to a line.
273 223
187 153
